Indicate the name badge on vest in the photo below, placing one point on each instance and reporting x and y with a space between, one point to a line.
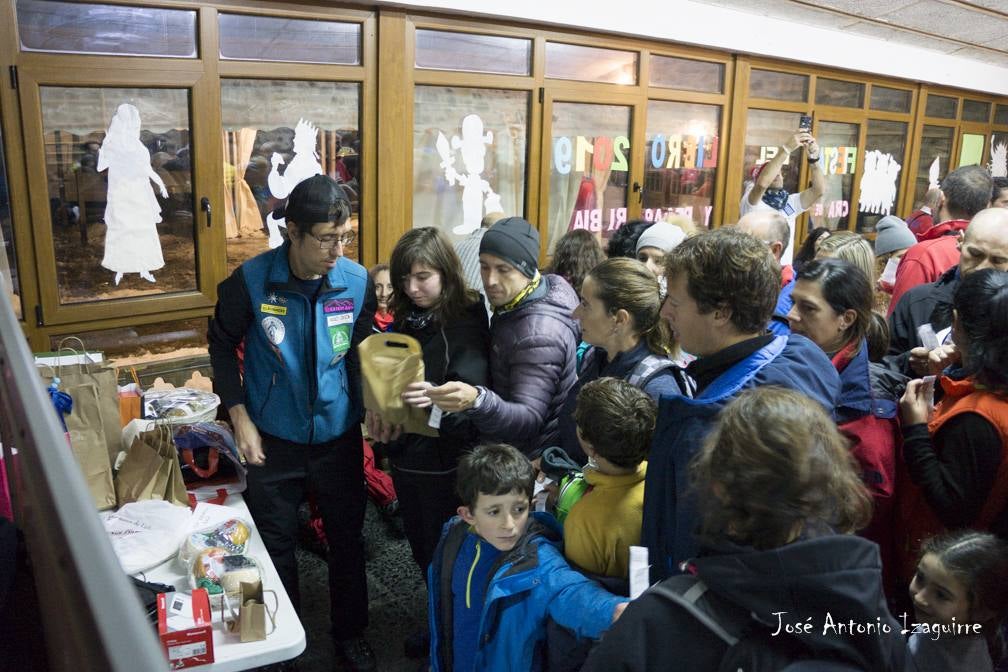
339 325
787 209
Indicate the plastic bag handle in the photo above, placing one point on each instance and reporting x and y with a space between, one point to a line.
272 614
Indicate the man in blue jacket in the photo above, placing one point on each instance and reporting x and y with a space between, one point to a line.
300 311
722 289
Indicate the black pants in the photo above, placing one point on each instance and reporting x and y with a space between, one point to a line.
426 502
334 473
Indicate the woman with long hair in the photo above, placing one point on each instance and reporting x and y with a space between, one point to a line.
955 456
833 308
432 304
620 320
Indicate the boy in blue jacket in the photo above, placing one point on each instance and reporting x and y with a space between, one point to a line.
498 573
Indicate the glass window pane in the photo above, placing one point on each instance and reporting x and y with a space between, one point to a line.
589 167
469 151
971 149
121 200
999 154
838 92
890 100
934 158
127 346
267 38
590 64
778 85
277 133
74 28
942 107
1001 114
680 160
880 177
686 74
8 260
441 50
976 110
838 159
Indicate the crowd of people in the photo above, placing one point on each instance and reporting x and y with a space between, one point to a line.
811 453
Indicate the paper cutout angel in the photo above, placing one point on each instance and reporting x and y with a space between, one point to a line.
305 164
933 172
999 160
473 144
132 211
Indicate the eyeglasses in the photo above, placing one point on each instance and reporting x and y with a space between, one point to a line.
329 242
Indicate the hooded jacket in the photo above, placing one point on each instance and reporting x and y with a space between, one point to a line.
533 364
529 583
456 351
670 516
833 579
925 262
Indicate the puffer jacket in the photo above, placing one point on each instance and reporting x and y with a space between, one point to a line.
533 365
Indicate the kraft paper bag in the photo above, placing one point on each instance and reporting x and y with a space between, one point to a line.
87 442
103 378
389 362
151 470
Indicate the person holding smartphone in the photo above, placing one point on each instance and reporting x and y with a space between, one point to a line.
766 189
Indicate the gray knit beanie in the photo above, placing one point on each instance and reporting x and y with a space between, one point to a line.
891 234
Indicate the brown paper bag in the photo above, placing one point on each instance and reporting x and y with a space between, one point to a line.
389 362
151 470
250 621
105 380
87 441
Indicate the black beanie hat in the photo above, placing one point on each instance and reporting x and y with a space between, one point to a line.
316 199
515 241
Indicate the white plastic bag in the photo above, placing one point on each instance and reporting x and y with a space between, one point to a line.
146 533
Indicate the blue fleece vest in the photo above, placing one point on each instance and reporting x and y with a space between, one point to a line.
297 385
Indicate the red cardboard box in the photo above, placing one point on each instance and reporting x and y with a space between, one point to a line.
184 628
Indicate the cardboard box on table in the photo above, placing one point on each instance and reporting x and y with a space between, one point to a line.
186 635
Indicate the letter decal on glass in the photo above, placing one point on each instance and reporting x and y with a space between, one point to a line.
472 144
878 183
132 211
305 164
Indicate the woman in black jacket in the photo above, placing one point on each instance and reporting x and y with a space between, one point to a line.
432 304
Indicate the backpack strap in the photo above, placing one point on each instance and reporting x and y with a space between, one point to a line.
646 369
691 594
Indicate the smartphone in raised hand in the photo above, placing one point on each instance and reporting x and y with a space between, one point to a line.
805 123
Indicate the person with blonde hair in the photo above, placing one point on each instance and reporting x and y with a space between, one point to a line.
779 497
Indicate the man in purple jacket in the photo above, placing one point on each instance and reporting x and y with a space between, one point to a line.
533 355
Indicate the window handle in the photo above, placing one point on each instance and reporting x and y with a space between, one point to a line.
205 207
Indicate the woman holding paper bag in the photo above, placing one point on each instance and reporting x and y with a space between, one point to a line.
432 304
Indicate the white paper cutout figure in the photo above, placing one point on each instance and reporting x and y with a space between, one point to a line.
878 183
305 164
933 172
999 160
132 211
473 145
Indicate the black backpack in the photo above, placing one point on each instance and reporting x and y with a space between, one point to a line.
751 646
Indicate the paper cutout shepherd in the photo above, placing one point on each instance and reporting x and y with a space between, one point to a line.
305 164
132 211
473 145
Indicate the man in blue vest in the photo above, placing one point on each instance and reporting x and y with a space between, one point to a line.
296 406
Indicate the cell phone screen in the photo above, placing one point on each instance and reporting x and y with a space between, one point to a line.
805 123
